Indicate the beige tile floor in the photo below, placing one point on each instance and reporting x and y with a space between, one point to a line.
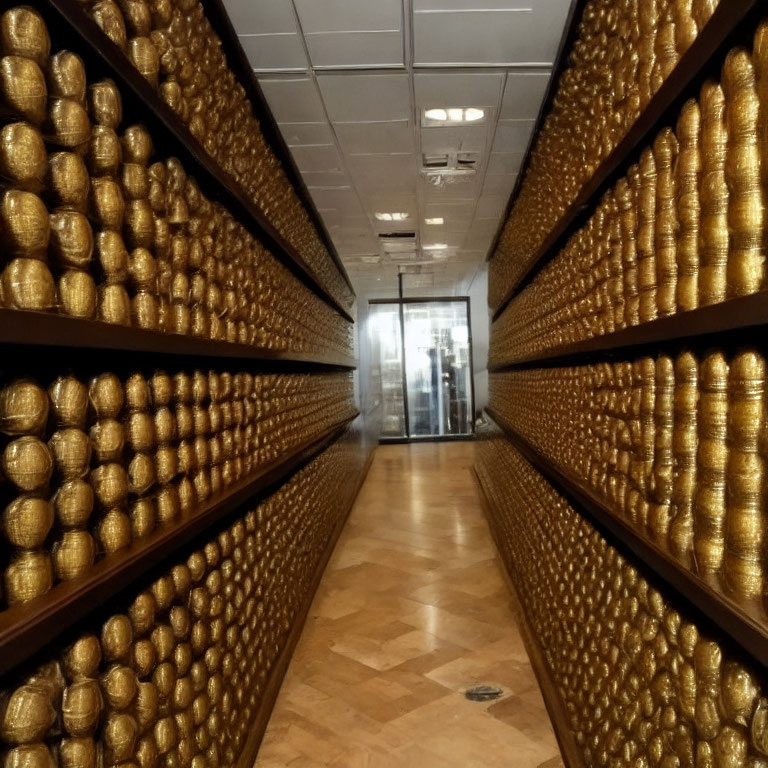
412 610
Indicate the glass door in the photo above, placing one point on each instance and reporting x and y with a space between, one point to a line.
428 359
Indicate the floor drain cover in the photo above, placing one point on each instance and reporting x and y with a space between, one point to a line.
483 693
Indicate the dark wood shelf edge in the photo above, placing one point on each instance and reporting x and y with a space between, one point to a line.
217 15
693 66
209 174
27 627
686 329
569 749
275 681
52 330
721 614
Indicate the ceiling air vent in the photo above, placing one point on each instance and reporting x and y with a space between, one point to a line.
450 168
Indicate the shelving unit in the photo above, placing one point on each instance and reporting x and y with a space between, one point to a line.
38 343
737 624
725 29
69 25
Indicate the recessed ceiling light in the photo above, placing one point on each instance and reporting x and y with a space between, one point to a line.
436 114
454 115
391 216
435 247
436 221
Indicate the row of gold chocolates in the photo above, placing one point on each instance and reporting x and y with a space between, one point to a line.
174 46
624 52
89 466
97 227
176 676
641 684
684 228
676 446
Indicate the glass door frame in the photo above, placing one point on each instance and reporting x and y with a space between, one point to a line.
401 302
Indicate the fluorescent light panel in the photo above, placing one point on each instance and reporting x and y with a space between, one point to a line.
436 222
455 114
391 216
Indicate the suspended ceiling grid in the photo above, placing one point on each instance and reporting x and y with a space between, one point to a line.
348 82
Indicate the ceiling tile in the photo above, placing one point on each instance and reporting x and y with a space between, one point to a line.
293 99
497 184
491 207
458 89
523 95
264 16
358 98
325 179
454 139
329 15
317 158
375 138
526 34
383 171
512 135
504 162
296 134
356 49
275 52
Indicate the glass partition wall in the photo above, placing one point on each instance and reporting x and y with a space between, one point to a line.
425 348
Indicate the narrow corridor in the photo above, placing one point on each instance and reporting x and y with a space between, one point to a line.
412 610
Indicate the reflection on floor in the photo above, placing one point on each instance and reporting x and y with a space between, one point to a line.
411 611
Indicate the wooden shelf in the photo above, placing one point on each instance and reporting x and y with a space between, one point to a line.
28 627
744 623
571 753
217 15
703 59
705 326
47 329
71 27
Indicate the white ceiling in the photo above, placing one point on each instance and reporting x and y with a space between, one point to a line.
348 82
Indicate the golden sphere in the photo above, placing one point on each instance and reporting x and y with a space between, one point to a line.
105 393
73 554
104 151
29 575
23 408
71 239
140 431
137 146
68 181
120 732
69 398
73 503
77 753
139 224
147 706
67 123
71 450
114 530
143 659
145 57
23 159
106 203
23 33
114 306
23 89
27 521
27 463
25 225
66 76
119 685
105 104
77 294
27 284
108 16
142 613
141 474
26 715
81 708
29 756
110 484
81 660
142 515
